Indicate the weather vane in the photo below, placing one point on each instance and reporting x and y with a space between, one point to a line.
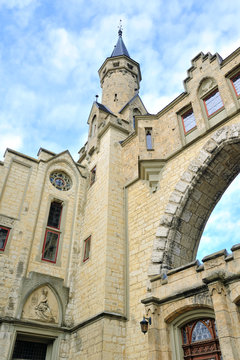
120 28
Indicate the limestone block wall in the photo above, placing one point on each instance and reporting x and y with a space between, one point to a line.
25 201
102 276
104 339
120 77
195 291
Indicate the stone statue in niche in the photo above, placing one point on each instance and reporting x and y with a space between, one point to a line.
41 305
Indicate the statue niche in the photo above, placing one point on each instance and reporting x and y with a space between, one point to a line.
41 305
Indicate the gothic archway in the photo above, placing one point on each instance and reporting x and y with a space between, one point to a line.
193 199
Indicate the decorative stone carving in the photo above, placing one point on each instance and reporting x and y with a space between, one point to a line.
41 305
7 221
206 86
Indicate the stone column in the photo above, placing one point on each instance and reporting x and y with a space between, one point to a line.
223 321
158 336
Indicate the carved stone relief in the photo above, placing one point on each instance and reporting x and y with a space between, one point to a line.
41 305
206 85
7 221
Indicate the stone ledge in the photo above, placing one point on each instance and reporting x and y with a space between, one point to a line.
183 267
215 255
235 247
183 294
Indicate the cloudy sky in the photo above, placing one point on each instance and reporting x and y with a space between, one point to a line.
50 51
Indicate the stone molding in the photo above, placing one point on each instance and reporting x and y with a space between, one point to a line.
175 223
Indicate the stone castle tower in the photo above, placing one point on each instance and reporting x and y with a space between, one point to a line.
89 247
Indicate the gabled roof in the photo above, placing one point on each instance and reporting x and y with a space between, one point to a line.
120 48
103 108
131 100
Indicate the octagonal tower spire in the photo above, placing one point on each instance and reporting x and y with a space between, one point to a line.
120 77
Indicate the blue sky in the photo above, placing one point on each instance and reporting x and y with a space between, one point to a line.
50 51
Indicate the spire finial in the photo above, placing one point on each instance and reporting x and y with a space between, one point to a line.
120 28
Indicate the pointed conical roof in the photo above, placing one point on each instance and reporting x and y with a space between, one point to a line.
120 48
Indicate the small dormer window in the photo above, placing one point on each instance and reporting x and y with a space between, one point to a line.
116 64
213 102
130 66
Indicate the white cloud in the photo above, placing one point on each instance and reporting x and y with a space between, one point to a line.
10 4
10 141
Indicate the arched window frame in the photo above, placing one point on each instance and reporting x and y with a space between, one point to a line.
52 229
93 126
179 322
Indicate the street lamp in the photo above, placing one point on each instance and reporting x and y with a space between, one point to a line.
144 324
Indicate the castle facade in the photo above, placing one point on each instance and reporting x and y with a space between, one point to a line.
88 249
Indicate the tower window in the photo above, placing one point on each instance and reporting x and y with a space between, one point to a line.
52 234
93 175
213 103
236 84
149 138
87 244
93 125
4 233
188 121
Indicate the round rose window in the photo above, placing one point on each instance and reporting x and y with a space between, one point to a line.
61 180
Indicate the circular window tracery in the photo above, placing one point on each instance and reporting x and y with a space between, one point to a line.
60 180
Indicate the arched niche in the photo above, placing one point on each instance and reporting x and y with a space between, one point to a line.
179 322
42 305
193 199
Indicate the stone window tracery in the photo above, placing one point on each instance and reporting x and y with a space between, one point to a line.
149 138
60 180
199 339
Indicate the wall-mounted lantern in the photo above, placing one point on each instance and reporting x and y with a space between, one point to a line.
144 324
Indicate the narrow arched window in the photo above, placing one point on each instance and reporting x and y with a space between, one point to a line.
93 126
149 138
52 233
200 339
136 111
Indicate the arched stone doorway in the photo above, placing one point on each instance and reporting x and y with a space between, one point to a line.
194 197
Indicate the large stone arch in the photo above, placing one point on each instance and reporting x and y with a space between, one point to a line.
193 199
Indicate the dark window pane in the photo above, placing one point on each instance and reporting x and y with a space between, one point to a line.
87 248
55 215
29 350
50 247
93 175
3 237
